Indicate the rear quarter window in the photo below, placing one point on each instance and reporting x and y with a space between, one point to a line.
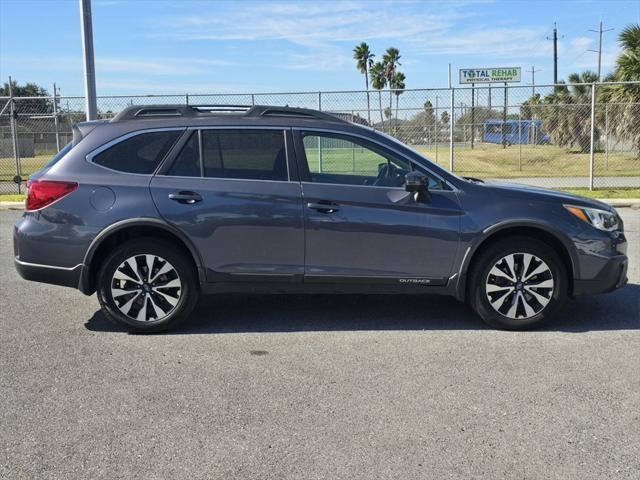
59 155
138 154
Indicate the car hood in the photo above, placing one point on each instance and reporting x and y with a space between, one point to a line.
548 194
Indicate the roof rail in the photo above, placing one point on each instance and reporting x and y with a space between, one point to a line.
140 112
269 111
221 108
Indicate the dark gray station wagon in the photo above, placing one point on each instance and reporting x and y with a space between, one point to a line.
164 202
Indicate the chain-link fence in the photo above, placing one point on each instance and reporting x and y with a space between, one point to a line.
558 136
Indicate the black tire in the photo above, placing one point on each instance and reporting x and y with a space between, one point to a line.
489 257
182 266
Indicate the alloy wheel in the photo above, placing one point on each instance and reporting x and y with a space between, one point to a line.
146 287
519 286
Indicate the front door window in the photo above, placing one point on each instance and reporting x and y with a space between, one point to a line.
341 159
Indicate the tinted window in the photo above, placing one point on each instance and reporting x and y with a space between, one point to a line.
249 154
333 158
138 154
187 164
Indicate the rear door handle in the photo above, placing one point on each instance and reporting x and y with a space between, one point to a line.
186 197
324 206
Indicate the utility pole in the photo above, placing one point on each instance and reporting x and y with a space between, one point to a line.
533 80
555 53
600 31
86 30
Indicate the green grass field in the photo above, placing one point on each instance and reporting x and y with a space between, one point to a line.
493 161
489 161
484 161
28 165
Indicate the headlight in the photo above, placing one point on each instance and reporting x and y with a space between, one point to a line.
601 219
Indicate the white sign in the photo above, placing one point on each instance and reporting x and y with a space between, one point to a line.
490 75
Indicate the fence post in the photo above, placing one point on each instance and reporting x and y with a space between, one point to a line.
319 137
504 116
55 117
473 113
593 134
436 128
451 123
186 98
253 100
14 132
520 138
606 140
353 149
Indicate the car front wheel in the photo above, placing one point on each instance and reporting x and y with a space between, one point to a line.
147 285
518 283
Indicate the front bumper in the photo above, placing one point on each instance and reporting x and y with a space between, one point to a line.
65 276
612 276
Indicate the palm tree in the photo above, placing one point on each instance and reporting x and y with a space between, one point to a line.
625 98
378 82
566 111
391 61
628 63
397 85
364 62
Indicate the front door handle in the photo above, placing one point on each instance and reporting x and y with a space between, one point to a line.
186 197
324 206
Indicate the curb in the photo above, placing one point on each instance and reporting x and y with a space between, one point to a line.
12 205
622 202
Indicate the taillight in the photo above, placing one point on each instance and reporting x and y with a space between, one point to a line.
41 193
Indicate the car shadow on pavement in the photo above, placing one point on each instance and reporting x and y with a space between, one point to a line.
619 310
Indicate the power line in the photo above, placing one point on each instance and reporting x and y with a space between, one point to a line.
600 31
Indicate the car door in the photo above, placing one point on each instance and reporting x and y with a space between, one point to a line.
230 192
360 223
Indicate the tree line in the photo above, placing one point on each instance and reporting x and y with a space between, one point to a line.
564 113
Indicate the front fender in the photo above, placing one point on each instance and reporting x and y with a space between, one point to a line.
514 224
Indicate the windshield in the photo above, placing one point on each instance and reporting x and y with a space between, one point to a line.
59 155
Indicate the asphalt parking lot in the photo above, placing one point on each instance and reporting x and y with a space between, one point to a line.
292 387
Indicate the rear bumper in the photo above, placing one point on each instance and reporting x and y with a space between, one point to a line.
65 276
612 276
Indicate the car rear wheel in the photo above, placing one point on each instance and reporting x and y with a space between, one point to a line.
147 285
518 283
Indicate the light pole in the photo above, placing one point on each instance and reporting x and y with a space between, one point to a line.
86 30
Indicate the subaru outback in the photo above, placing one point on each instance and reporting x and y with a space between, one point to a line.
162 203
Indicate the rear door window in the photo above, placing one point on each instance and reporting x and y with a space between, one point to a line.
138 154
246 154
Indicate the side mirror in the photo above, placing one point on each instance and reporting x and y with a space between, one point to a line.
418 184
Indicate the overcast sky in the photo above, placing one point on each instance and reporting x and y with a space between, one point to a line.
197 46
